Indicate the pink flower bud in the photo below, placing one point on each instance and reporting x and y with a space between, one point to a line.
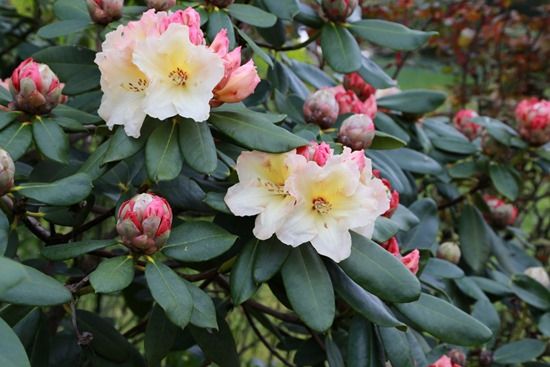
539 274
338 10
321 108
105 11
349 102
533 118
317 152
449 251
411 261
501 214
7 172
393 194
160 5
35 88
220 3
463 123
392 246
357 132
144 223
189 17
357 85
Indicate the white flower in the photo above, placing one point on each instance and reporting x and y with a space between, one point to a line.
182 75
261 190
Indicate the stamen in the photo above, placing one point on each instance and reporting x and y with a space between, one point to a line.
321 206
273 187
178 76
137 87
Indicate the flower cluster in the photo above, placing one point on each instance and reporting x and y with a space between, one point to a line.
309 195
501 214
411 260
463 122
160 66
533 116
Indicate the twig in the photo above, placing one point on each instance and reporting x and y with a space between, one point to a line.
459 199
83 228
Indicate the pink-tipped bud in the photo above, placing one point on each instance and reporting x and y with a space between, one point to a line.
7 172
357 85
160 5
449 251
321 108
35 88
317 152
533 118
539 274
144 223
501 214
412 261
188 17
392 246
357 132
220 3
463 123
392 194
338 10
105 11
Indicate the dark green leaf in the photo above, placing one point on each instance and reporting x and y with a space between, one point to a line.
398 349
6 117
170 292
122 146
242 282
216 202
11 273
383 140
309 288
16 139
454 145
491 286
284 9
93 166
362 350
340 48
422 235
384 229
257 49
71 250
334 356
67 191
197 146
417 101
160 335
270 256
252 15
404 218
217 20
375 75
113 275
531 291
218 346
473 238
485 312
413 161
51 140
544 324
445 321
519 351
63 28
70 9
68 112
204 312
389 34
379 272
503 180
439 268
12 353
162 155
198 241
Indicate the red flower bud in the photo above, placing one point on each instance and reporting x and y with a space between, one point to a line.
321 108
357 132
144 223
7 172
463 123
338 10
411 260
501 214
449 251
160 5
105 11
35 88
357 85
348 102
533 116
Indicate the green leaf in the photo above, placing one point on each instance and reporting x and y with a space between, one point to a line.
242 282
170 292
454 145
162 156
197 146
423 235
16 139
531 291
12 352
379 272
11 273
439 268
160 335
51 140
73 65
383 140
67 191
389 34
284 9
398 349
257 49
122 146
340 48
334 356
253 133
36 289
503 180
113 275
413 161
70 9
375 75
71 250
404 218
204 312
445 321
367 305
218 346
215 200
309 288
520 351
93 166
362 350
270 256
4 233
485 312
384 229
491 286
418 101
198 241
63 28
544 324
474 241
217 20
252 15
6 117
71 113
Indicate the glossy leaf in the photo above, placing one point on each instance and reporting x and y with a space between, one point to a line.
252 15
16 139
197 146
51 139
520 351
63 28
11 273
362 350
162 155
389 34
204 312
67 191
417 101
218 346
113 274
270 256
160 335
503 180
71 250
473 238
531 291
340 48
12 353
242 282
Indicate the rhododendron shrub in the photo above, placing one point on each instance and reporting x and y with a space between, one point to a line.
231 183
